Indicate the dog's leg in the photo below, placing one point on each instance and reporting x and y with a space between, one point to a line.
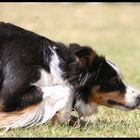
77 123
60 98
63 115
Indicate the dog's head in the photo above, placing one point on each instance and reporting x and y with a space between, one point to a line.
101 81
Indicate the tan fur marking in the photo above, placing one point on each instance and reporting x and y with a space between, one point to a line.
8 116
102 98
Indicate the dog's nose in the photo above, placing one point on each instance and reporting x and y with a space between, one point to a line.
133 97
138 100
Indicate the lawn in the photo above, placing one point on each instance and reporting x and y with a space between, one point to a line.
112 29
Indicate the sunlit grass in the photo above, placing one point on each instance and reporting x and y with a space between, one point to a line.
112 30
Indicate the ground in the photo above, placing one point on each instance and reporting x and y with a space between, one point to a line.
112 29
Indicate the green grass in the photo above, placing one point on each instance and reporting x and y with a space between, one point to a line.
112 30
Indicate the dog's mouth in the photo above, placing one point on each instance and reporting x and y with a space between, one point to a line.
121 106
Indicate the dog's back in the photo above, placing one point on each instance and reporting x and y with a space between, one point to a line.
20 59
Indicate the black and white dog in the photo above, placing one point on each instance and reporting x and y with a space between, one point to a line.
41 79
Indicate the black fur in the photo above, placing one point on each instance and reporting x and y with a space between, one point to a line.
22 54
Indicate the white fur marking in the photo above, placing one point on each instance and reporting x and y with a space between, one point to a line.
86 109
46 79
55 70
131 95
55 75
115 68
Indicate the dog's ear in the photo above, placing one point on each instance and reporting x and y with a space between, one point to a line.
84 55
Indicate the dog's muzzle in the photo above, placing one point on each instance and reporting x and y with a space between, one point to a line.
130 101
132 96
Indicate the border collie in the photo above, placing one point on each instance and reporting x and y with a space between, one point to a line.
41 79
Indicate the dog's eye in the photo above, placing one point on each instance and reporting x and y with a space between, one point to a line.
114 82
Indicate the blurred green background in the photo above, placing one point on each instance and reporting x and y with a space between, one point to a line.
112 29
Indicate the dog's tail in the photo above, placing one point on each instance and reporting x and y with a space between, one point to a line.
33 115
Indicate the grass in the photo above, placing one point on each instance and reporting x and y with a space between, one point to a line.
112 29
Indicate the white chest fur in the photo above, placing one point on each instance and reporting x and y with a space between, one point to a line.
85 110
56 96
